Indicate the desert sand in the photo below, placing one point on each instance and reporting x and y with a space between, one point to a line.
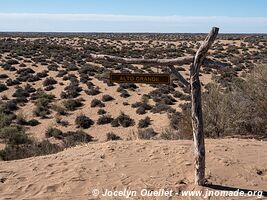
135 165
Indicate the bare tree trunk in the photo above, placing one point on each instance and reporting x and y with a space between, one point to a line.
197 119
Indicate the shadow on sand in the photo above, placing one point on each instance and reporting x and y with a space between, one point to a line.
228 188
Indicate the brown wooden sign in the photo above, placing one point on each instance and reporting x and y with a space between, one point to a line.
140 78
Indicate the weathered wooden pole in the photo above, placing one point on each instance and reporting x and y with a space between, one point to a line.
197 119
196 61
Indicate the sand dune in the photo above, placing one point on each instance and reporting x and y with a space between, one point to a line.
134 165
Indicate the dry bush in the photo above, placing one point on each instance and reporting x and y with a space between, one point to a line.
104 119
83 121
171 134
146 134
242 109
239 109
11 152
123 120
144 123
112 136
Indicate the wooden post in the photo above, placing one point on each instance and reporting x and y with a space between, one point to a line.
197 119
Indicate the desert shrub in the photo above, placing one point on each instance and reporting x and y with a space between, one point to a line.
170 134
10 82
182 96
29 78
177 94
90 84
84 78
20 92
11 152
53 67
42 104
142 106
214 105
20 119
144 123
49 88
28 88
59 108
72 138
141 110
54 132
70 77
61 73
130 86
92 91
5 119
8 67
161 90
112 136
86 69
136 104
14 135
3 87
101 111
60 121
21 95
125 103
8 107
72 104
167 99
125 94
4 97
25 71
3 76
161 107
97 103
185 123
237 109
104 119
83 121
33 122
115 123
146 134
241 110
71 91
71 67
42 74
49 81
12 62
124 120
107 97
40 94
175 119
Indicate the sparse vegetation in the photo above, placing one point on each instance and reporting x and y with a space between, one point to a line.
234 105
101 111
123 120
171 134
3 87
107 97
104 119
49 81
146 134
112 136
97 103
83 121
72 104
144 123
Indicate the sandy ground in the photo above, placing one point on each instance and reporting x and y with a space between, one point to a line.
135 165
